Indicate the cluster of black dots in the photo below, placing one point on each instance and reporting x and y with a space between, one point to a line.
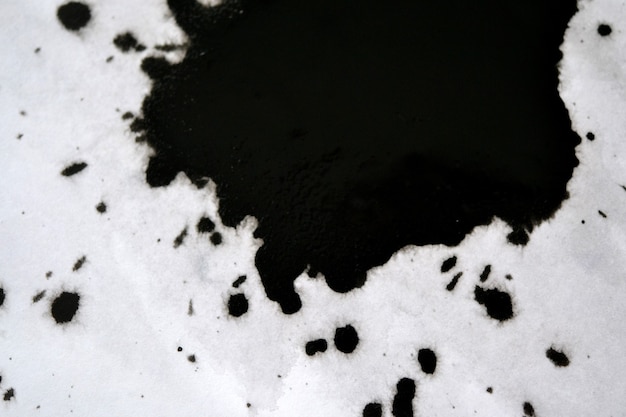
346 340
238 303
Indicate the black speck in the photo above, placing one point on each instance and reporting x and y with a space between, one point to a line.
73 169
498 303
237 305
315 346
37 50
74 15
138 125
101 207
239 281
190 308
79 263
64 307
427 360
127 116
529 410
180 238
2 296
454 281
448 264
216 238
127 41
508 276
557 357
20 136
403 400
9 394
48 274
590 136
39 296
346 339
180 349
191 358
205 225
489 390
373 410
22 113
604 29
109 59
485 274
601 213
518 237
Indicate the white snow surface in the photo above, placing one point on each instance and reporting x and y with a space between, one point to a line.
119 355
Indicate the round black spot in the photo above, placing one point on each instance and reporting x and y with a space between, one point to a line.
346 339
590 136
101 207
237 305
498 303
216 238
529 410
205 225
64 307
315 346
604 29
74 15
180 349
191 358
489 390
2 296
373 410
427 360
557 357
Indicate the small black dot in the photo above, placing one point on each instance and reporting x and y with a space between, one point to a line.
73 169
529 410
237 305
64 307
590 136
2 296
557 357
315 346
346 339
79 263
373 410
180 349
216 238
9 394
489 390
127 41
427 360
205 225
485 274
39 296
604 29
448 264
191 358
127 116
454 281
101 207
180 238
74 15
601 213
240 280
498 303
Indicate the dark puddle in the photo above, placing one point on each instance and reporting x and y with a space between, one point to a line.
352 129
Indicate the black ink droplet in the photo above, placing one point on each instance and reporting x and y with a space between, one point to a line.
427 360
8 394
373 410
346 339
448 264
127 41
216 238
403 400
205 225
74 15
73 169
498 303
79 263
191 358
315 346
237 305
101 207
2 296
454 281
557 357
590 136
485 274
37 297
490 390
64 307
180 238
604 29
529 410
368 145
240 280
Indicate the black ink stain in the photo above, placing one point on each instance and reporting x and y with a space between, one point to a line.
498 303
485 274
590 136
529 410
73 169
373 410
126 41
101 207
79 263
601 213
427 360
351 132
180 238
557 357
190 310
216 238
346 339
490 390
191 358
237 305
240 280
403 400
604 29
9 394
37 297
74 15
448 264
454 281
64 307
316 346
205 225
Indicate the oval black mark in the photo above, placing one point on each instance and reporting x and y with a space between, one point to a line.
448 264
427 360
498 303
316 346
64 307
74 15
557 357
604 29
73 169
346 339
237 305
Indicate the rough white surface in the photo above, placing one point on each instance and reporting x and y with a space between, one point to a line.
119 355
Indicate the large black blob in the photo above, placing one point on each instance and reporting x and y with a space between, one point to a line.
351 128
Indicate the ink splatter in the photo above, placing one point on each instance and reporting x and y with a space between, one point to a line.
590 136
373 410
529 410
346 339
9 394
557 357
448 264
73 169
403 400
498 303
427 360
205 225
191 358
237 305
79 263
454 281
310 160
64 307
316 346
604 29
216 238
180 238
39 296
240 280
485 274
127 41
74 15
101 207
